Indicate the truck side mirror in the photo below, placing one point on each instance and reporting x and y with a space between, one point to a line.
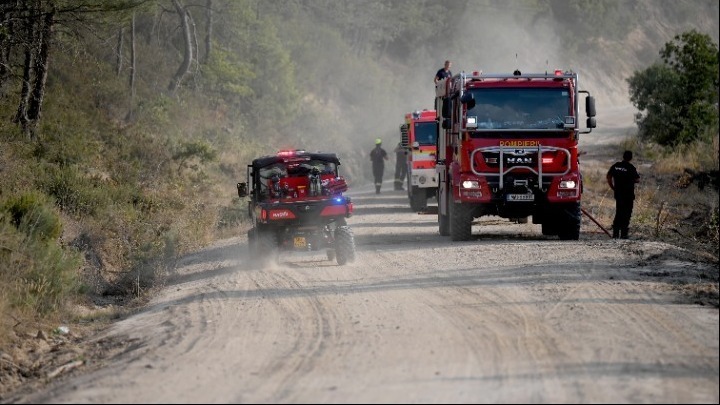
590 107
591 122
468 99
242 190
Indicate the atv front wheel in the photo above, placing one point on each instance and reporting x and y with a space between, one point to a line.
252 240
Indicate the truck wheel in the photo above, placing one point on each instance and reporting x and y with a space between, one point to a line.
460 222
443 220
418 199
569 225
444 225
548 229
344 245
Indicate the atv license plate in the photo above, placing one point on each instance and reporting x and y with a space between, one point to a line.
521 197
300 242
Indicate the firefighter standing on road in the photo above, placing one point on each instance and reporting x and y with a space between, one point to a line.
400 166
378 156
622 177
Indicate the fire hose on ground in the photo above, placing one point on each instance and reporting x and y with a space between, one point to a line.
596 222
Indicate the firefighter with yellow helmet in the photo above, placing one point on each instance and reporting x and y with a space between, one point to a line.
378 156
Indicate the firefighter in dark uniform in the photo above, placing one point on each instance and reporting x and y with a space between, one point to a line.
378 156
622 177
443 72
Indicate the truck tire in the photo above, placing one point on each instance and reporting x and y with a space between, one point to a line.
460 222
443 221
418 199
344 245
548 228
569 216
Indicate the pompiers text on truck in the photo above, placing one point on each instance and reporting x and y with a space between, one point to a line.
418 135
508 146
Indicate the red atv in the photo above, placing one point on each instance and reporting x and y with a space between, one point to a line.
297 204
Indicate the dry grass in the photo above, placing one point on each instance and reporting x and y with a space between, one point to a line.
669 205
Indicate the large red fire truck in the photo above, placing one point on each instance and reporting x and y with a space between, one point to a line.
508 146
418 135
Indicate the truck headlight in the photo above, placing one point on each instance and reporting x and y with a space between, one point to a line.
568 184
470 184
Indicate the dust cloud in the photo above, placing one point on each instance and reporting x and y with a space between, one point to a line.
493 37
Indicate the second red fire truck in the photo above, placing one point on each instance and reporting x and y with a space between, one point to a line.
418 135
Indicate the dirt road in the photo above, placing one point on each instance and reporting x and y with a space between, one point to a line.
510 316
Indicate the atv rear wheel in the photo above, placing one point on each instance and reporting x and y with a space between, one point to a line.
267 244
344 245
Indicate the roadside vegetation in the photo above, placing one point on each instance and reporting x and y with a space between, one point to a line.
125 124
676 148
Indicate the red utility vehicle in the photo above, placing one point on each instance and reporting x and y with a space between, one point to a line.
297 204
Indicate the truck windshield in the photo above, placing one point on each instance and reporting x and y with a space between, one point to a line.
426 133
520 108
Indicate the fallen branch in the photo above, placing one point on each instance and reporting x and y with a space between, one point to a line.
64 368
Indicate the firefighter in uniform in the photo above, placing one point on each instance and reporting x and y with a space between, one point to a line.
378 156
443 72
622 177
400 166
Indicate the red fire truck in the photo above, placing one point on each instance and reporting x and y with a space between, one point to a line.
418 135
508 146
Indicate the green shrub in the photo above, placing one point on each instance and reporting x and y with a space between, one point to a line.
32 214
75 194
38 275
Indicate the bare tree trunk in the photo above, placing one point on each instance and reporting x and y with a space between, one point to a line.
21 116
42 66
132 57
131 110
208 30
118 53
184 67
5 43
